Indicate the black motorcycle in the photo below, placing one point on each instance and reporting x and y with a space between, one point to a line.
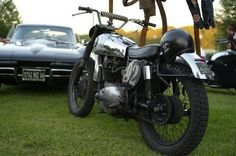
158 85
223 64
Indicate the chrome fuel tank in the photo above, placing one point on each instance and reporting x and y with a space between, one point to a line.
112 45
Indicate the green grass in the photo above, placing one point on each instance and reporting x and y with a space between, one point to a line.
35 121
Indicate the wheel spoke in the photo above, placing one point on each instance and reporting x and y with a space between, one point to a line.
178 100
170 133
80 88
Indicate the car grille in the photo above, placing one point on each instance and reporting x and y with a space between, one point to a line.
6 71
59 73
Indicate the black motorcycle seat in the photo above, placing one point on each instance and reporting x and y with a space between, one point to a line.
146 52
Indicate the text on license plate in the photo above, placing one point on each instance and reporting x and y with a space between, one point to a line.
33 75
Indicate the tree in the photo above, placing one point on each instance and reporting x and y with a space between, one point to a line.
9 15
226 16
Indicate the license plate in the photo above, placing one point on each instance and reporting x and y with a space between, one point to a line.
204 68
33 75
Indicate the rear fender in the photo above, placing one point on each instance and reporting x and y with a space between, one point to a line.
199 67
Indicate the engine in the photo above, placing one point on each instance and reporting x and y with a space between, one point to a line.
112 69
111 98
118 80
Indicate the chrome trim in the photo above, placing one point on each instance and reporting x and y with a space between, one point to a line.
4 74
147 72
113 45
7 68
11 69
219 54
97 75
26 67
60 76
61 70
111 96
96 68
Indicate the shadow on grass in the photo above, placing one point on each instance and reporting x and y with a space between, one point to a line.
33 89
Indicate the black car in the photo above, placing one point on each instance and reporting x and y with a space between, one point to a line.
38 54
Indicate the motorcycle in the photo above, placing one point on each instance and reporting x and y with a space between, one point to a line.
223 64
159 85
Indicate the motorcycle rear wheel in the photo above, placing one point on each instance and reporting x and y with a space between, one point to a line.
81 89
182 137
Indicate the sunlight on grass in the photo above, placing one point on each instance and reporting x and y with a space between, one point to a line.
36 121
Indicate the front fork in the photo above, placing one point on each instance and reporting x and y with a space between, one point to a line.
147 75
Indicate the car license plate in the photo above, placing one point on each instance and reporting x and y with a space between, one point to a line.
33 75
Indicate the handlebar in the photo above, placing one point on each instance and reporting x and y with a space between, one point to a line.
125 19
114 16
142 22
87 9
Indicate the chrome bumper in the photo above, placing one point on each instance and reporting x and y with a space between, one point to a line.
13 73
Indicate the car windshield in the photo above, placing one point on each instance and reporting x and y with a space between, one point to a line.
52 33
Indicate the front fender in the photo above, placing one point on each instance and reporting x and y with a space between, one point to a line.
198 66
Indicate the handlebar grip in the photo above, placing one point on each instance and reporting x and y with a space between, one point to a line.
86 9
114 16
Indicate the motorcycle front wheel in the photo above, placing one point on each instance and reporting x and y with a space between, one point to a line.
186 118
81 89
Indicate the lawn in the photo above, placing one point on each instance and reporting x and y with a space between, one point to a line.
35 121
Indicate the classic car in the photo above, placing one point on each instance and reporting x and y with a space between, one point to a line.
38 54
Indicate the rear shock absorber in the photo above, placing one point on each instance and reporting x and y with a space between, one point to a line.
147 73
